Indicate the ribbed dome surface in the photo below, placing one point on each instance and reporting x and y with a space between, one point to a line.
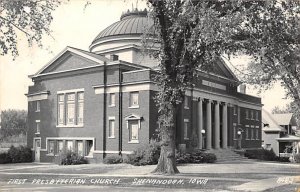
131 23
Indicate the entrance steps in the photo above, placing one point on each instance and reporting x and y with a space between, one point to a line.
227 155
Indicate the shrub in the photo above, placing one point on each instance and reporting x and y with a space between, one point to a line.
4 158
19 154
262 154
297 158
283 159
145 155
195 157
113 159
69 158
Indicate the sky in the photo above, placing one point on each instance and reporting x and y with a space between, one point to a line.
76 25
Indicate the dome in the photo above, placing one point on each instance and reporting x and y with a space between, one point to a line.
132 23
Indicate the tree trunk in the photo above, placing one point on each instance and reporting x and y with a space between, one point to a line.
167 162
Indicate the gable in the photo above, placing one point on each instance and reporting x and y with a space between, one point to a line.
220 68
69 61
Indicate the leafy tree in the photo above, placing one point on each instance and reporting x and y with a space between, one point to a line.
29 17
192 37
271 35
13 122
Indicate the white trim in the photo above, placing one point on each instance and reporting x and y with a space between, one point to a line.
70 91
214 85
111 118
38 96
186 120
133 142
63 52
246 125
37 121
252 126
135 71
256 126
70 126
71 138
127 87
123 152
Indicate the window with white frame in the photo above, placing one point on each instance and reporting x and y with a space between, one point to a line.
38 106
80 148
70 145
70 108
133 130
111 127
247 114
247 133
134 99
256 135
252 134
61 109
186 102
252 115
51 147
60 146
80 105
38 126
112 99
256 115
185 129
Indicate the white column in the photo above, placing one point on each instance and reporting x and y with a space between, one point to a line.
224 126
217 125
200 123
208 124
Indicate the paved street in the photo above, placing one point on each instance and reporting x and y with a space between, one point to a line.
246 175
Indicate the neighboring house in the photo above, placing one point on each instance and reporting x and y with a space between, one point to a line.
100 102
278 133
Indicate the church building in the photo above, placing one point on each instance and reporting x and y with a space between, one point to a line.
100 102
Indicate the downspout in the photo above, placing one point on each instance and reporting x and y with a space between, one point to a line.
120 110
104 107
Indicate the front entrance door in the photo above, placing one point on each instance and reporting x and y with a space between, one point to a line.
37 149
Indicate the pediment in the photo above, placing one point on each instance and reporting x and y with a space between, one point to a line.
132 117
72 59
220 68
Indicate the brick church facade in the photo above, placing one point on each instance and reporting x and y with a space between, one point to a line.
100 102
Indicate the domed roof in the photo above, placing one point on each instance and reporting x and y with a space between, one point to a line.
131 23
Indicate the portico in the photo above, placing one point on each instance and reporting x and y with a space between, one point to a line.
215 129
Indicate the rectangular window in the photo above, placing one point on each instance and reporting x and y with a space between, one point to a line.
80 97
256 135
71 109
70 145
234 133
112 99
134 99
186 127
60 146
186 102
80 148
256 115
133 131
111 131
247 114
38 106
61 109
70 112
38 128
252 115
247 134
252 134
51 147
